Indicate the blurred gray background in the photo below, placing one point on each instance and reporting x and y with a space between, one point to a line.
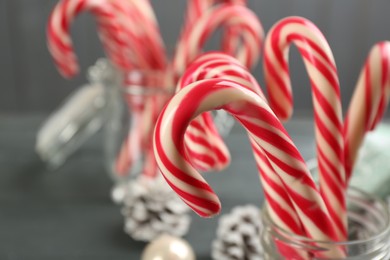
30 83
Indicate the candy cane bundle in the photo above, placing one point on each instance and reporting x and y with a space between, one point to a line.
368 103
199 136
232 35
266 131
251 25
321 68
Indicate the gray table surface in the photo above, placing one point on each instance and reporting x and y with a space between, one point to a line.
68 214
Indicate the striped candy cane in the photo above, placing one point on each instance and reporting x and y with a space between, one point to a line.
205 146
220 65
59 40
196 8
127 44
368 103
323 76
144 14
232 35
266 131
190 45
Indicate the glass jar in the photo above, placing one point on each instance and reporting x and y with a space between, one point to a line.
368 228
80 116
134 102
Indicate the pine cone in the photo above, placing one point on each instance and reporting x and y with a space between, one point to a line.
151 208
238 235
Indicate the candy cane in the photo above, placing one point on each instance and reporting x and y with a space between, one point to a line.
194 9
322 72
266 131
232 35
190 46
60 43
219 65
132 39
205 146
149 30
143 42
368 102
124 43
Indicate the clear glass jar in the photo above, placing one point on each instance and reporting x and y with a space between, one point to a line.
368 227
77 119
134 102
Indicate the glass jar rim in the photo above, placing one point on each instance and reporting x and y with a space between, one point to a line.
298 238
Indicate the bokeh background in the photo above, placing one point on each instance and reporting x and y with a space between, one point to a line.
68 214
30 83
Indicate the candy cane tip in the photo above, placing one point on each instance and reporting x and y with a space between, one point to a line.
283 115
208 215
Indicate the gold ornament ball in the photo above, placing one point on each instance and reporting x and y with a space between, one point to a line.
167 247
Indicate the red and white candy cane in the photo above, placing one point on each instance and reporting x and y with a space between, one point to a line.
191 44
59 40
141 44
368 103
266 131
220 65
132 42
205 146
150 31
321 68
232 35
124 43
195 8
